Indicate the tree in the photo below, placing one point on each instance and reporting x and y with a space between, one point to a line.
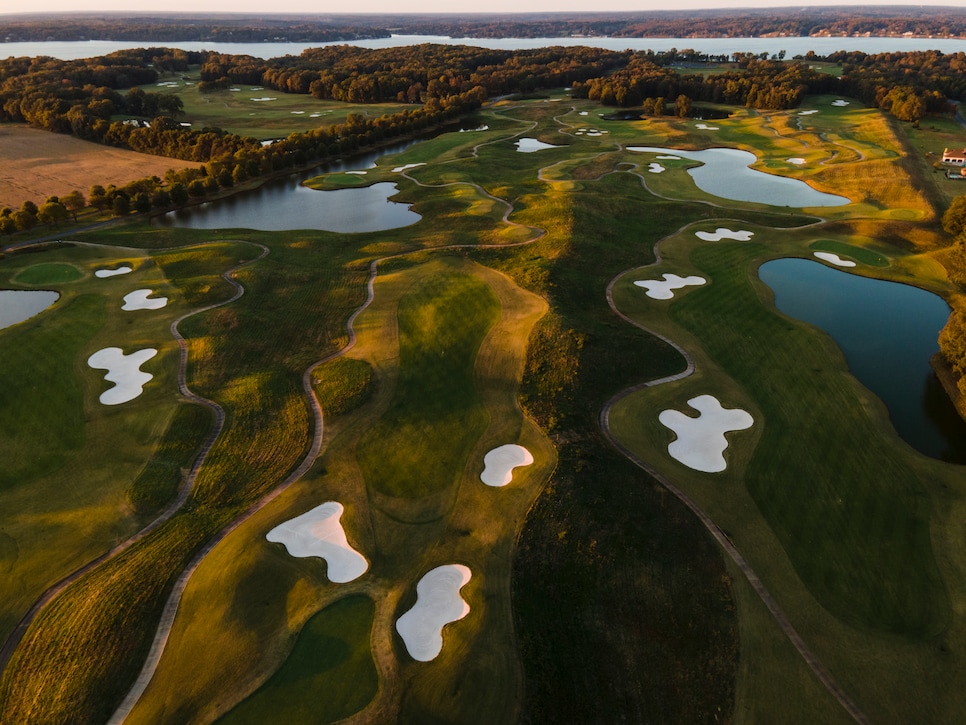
73 202
954 220
682 106
52 212
142 202
120 206
179 194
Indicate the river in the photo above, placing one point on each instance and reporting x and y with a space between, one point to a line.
71 50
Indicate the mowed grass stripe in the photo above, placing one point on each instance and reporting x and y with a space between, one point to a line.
420 445
841 496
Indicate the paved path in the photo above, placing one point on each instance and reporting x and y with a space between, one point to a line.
820 671
15 636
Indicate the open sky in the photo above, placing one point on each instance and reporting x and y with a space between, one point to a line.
419 6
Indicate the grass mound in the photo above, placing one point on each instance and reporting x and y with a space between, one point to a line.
331 657
49 273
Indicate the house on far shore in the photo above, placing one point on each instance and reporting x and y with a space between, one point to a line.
956 174
956 157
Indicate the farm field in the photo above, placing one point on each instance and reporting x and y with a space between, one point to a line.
35 164
379 370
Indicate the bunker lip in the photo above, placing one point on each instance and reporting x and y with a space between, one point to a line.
701 442
835 259
438 602
123 269
742 235
319 533
499 463
664 289
140 299
124 371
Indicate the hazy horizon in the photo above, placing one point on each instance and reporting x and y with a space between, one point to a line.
393 7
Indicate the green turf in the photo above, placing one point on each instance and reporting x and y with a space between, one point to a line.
342 385
859 254
331 658
49 273
420 445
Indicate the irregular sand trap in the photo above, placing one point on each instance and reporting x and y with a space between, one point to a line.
484 127
655 168
668 157
138 300
264 98
319 533
314 115
840 102
582 113
438 602
529 145
706 127
663 289
359 173
297 113
124 371
798 161
808 113
723 233
234 90
700 442
499 463
407 166
833 258
123 269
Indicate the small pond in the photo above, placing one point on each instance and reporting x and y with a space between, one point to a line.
725 173
284 204
887 332
19 305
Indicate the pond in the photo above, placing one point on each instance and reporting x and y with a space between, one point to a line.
285 204
725 172
887 332
19 305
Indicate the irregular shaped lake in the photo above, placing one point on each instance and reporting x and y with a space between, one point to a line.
887 331
726 173
19 305
284 204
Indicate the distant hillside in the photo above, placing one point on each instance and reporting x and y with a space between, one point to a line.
939 22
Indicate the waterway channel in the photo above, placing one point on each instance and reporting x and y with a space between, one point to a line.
887 332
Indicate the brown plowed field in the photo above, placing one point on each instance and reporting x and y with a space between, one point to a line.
35 164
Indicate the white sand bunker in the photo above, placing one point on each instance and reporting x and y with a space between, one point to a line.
808 112
438 602
706 127
263 99
123 269
655 168
797 160
140 299
840 102
664 289
582 113
358 173
720 233
318 532
529 145
700 442
499 463
399 169
122 370
833 258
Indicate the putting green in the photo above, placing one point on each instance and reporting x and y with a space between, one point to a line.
49 273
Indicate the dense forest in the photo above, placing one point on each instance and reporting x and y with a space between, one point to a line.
744 22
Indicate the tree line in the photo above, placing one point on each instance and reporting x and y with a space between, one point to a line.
745 22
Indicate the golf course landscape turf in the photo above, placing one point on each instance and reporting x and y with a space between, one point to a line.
549 453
